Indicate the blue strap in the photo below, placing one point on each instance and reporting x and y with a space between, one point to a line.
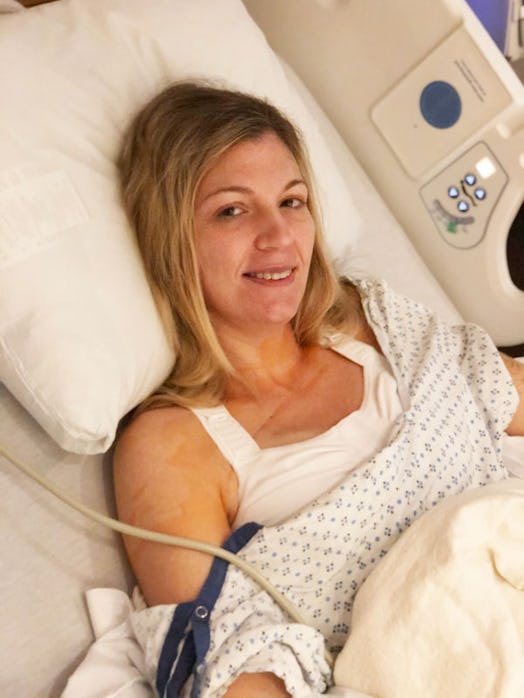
187 640
175 635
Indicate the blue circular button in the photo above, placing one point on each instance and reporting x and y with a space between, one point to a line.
453 192
480 193
470 179
463 206
440 104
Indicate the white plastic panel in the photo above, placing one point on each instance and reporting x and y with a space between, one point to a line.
422 125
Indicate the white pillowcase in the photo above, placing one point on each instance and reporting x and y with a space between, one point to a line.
80 340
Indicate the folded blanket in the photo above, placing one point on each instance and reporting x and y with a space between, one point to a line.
443 613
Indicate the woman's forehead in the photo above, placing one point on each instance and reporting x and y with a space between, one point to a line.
266 155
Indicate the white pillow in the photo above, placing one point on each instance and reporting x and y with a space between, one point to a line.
80 339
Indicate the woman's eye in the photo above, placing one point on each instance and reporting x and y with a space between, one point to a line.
230 211
292 202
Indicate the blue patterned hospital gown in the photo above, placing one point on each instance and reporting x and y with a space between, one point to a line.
458 398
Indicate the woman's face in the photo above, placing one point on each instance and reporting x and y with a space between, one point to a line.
254 236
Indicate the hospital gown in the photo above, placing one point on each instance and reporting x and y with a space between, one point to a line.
457 398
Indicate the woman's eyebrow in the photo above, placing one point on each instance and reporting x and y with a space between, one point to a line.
224 190
293 183
239 189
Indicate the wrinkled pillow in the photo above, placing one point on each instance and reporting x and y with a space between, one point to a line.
80 339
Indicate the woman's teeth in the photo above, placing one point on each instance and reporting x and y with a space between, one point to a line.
270 276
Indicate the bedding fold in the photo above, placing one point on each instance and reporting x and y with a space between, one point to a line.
443 614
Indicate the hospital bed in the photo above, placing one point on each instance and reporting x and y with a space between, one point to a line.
81 343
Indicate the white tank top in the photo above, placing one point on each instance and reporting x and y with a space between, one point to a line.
278 481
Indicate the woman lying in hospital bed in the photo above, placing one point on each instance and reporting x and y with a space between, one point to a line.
329 542
332 414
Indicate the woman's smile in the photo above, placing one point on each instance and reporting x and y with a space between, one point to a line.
270 275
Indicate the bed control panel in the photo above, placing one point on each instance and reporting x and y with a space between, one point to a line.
462 197
440 103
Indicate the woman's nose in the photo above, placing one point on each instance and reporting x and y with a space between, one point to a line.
273 231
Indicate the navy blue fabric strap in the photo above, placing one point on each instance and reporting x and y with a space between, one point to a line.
187 640
171 648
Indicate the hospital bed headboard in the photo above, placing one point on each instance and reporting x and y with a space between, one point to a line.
435 114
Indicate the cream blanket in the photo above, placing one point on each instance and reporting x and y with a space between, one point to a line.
442 615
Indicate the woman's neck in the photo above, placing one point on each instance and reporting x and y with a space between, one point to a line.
262 362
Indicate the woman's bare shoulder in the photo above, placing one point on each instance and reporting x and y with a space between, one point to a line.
168 446
160 429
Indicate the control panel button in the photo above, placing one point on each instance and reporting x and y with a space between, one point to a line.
480 193
440 104
460 210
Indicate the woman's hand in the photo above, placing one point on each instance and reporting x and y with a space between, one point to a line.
516 371
257 686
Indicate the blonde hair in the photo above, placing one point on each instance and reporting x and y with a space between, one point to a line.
171 144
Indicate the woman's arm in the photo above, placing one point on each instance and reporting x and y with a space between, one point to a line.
516 371
170 477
